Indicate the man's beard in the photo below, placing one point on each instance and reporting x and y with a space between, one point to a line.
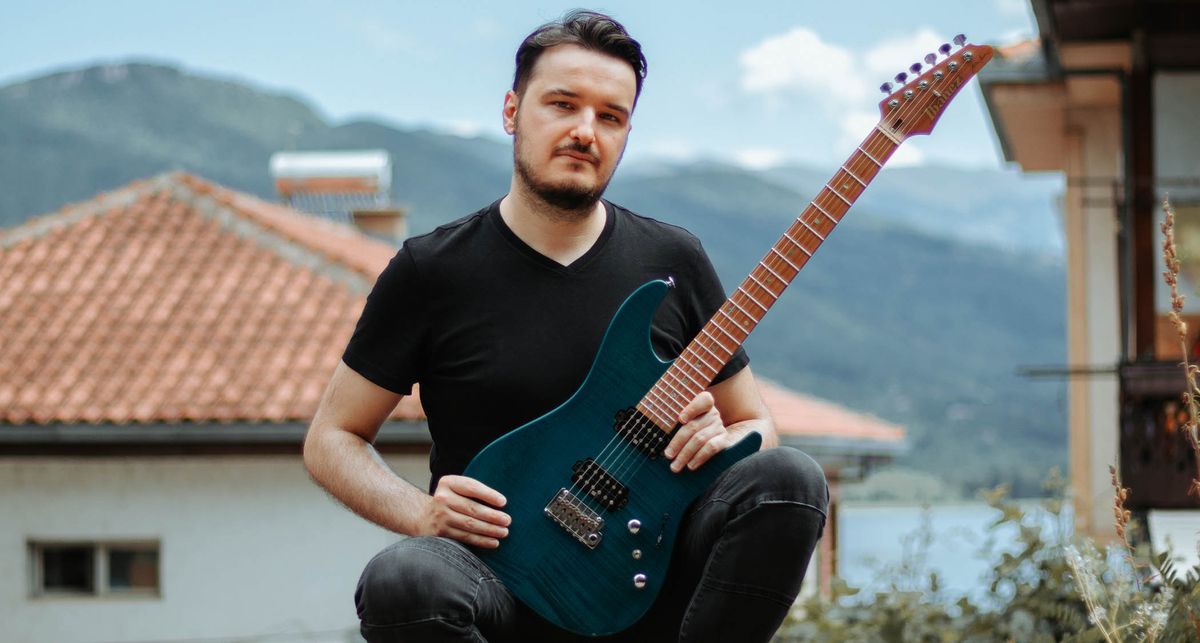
564 197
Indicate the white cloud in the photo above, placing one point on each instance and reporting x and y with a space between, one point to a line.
885 60
759 158
800 63
907 155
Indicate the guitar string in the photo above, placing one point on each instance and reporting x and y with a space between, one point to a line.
854 161
639 433
642 427
857 162
624 456
602 461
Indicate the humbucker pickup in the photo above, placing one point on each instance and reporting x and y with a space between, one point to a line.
599 484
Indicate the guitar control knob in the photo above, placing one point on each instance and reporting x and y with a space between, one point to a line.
930 59
960 39
901 77
637 554
944 49
886 88
635 526
915 68
639 580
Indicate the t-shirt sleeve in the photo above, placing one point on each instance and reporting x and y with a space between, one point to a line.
388 343
706 297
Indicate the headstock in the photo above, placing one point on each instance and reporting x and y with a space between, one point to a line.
917 105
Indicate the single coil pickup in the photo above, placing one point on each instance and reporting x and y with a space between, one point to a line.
599 485
577 519
637 430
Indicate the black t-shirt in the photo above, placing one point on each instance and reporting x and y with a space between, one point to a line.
498 334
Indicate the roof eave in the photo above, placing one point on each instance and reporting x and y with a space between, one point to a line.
26 438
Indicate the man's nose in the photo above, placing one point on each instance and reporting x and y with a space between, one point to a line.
584 130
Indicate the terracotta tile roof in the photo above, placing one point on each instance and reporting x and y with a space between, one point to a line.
175 300
800 415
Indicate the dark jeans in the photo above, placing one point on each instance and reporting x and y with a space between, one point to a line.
742 551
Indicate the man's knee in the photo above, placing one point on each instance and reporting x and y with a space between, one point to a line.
789 475
417 579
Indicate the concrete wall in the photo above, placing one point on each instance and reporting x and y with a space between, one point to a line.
250 548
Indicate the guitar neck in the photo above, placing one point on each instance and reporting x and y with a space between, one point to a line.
733 322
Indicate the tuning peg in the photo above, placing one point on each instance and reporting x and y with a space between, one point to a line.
930 59
915 68
886 88
945 49
901 78
960 39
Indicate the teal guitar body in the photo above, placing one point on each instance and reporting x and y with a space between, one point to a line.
595 507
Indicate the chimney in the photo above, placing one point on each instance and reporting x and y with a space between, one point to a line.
348 186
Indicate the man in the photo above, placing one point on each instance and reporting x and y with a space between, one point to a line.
498 315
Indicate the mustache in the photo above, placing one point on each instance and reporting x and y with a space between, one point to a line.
580 148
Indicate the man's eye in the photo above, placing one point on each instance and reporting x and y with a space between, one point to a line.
561 104
611 117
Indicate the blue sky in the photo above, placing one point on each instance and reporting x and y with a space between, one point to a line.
767 82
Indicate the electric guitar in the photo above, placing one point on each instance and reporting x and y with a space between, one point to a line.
595 508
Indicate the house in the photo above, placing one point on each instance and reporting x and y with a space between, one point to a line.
162 348
1107 96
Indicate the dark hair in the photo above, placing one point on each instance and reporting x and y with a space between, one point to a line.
588 29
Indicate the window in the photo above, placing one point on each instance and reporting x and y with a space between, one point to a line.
94 568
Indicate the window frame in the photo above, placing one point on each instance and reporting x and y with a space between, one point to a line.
101 574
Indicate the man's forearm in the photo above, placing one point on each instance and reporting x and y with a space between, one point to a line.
763 426
353 472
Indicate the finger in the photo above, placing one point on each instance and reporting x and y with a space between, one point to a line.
472 488
711 448
694 445
471 539
471 509
681 437
475 526
685 432
697 407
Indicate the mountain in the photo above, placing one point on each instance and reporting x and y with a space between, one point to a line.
938 285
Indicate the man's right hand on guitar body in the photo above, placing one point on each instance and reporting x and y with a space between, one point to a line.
459 509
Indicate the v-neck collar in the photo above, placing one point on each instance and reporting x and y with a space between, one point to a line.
575 266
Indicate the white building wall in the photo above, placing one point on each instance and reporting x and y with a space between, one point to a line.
251 549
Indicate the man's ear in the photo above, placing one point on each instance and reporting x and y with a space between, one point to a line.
511 103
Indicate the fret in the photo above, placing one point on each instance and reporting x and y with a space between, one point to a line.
775 274
751 297
671 392
733 321
763 286
822 211
661 400
689 377
736 342
752 318
891 136
838 195
661 409
847 171
811 229
655 415
796 242
707 350
873 159
785 259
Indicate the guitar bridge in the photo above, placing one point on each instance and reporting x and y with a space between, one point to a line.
576 518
